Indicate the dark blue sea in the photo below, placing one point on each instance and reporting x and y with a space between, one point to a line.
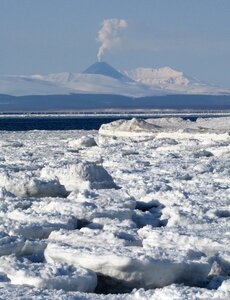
17 123
53 123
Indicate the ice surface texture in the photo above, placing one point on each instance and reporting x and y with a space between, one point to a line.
83 213
139 127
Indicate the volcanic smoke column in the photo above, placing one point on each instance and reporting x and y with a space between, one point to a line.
108 35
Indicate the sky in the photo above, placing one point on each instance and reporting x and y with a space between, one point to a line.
50 36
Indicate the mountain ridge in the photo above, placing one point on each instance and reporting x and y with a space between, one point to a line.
102 78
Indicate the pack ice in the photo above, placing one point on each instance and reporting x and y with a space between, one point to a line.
138 210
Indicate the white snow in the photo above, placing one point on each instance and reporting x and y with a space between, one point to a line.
74 176
20 184
84 141
47 276
66 83
167 127
10 244
140 211
133 266
101 84
161 76
128 128
173 80
139 83
20 85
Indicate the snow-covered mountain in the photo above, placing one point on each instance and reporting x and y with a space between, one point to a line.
102 84
101 78
17 85
163 76
173 81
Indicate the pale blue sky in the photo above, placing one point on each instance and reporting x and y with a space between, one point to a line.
48 36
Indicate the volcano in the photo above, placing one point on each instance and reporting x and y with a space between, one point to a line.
103 68
101 86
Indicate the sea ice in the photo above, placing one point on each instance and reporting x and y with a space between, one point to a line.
25 185
21 271
139 127
10 244
84 141
133 266
80 175
147 207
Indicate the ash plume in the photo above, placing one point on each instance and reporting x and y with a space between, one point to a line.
108 35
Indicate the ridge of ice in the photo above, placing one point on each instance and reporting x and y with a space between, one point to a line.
140 127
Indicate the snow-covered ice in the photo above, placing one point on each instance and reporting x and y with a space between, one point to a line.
136 127
78 175
21 271
139 210
84 141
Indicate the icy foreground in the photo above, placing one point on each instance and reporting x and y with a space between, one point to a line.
140 211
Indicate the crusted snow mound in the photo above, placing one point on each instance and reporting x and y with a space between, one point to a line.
10 244
47 276
35 223
102 204
133 266
184 239
84 141
117 236
82 174
140 127
21 184
125 127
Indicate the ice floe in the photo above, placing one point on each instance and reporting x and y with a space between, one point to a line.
140 127
81 174
140 211
22 271
84 141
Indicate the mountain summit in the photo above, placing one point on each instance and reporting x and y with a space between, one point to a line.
101 78
102 68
